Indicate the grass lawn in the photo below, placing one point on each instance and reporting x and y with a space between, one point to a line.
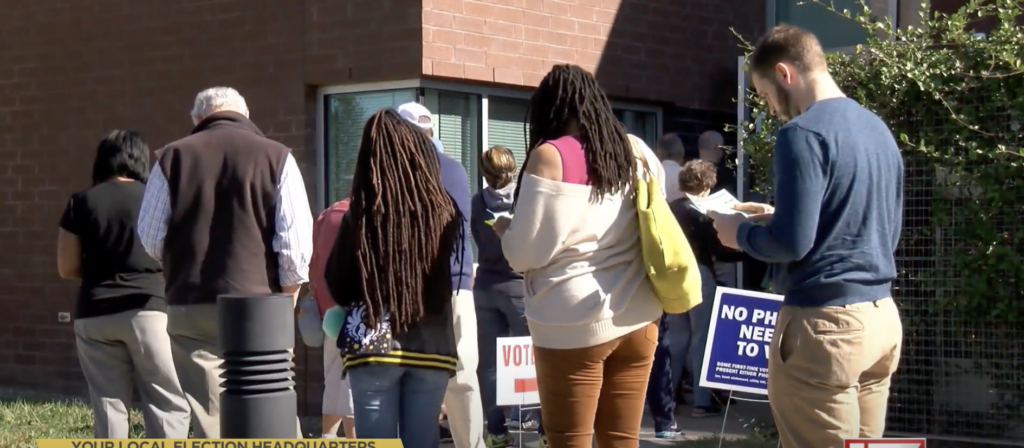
24 420
21 422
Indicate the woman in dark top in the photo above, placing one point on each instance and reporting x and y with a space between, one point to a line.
120 319
697 178
390 269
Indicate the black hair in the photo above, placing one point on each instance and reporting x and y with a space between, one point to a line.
571 94
121 153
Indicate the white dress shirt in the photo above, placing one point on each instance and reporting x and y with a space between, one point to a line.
293 238
672 169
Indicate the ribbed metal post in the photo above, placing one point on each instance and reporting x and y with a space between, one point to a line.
257 335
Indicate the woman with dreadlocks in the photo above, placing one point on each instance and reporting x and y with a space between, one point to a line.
590 307
390 271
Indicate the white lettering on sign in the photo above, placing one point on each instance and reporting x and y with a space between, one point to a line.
739 340
734 313
765 317
753 333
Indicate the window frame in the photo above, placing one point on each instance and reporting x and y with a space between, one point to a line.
483 91
480 116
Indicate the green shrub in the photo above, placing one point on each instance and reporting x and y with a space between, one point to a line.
955 101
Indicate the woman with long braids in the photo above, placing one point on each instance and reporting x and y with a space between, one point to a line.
389 269
590 307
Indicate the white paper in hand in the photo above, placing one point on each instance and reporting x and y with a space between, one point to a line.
720 202
497 216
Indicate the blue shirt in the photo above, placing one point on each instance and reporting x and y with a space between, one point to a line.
838 208
456 183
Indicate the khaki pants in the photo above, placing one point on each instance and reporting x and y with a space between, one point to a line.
596 389
829 371
111 348
462 401
197 358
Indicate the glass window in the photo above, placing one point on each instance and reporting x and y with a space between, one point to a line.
457 118
506 126
457 123
640 124
833 30
345 116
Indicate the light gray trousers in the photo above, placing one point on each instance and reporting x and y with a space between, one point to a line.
194 335
125 349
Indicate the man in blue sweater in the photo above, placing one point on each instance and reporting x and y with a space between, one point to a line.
462 402
831 237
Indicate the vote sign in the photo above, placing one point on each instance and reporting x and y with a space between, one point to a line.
742 327
516 374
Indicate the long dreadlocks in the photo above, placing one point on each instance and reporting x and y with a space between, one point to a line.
404 220
570 94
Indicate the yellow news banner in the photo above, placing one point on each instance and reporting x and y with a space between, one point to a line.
219 443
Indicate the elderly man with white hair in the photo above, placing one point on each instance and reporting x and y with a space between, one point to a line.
226 212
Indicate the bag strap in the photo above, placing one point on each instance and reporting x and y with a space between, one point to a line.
639 154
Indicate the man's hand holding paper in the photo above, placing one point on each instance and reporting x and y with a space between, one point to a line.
756 212
727 224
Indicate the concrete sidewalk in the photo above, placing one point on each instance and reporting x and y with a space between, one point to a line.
742 420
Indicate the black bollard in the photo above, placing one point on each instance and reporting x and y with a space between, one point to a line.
257 334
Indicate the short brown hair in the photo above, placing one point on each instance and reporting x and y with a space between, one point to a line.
498 166
697 176
787 43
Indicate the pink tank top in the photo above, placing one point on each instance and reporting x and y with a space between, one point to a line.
574 163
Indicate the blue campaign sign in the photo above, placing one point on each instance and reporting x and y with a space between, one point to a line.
736 354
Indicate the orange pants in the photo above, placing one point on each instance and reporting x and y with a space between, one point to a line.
596 392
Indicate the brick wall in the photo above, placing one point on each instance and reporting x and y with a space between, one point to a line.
662 50
71 71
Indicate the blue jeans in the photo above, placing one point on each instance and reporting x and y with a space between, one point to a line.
497 316
393 401
660 397
700 324
679 335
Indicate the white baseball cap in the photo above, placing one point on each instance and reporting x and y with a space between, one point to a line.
417 114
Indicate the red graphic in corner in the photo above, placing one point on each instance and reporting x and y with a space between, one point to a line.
884 443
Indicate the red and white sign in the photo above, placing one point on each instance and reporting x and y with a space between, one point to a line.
516 375
884 443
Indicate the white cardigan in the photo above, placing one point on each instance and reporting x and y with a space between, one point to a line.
583 269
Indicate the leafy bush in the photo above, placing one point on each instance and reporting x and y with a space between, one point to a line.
955 100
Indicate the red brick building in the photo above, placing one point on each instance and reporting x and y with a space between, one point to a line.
312 71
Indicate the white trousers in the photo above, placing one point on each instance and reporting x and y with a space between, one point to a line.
462 401
337 392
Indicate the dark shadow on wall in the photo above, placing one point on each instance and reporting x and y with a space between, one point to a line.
682 55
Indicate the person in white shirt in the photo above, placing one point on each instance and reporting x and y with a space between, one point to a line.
225 211
671 153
